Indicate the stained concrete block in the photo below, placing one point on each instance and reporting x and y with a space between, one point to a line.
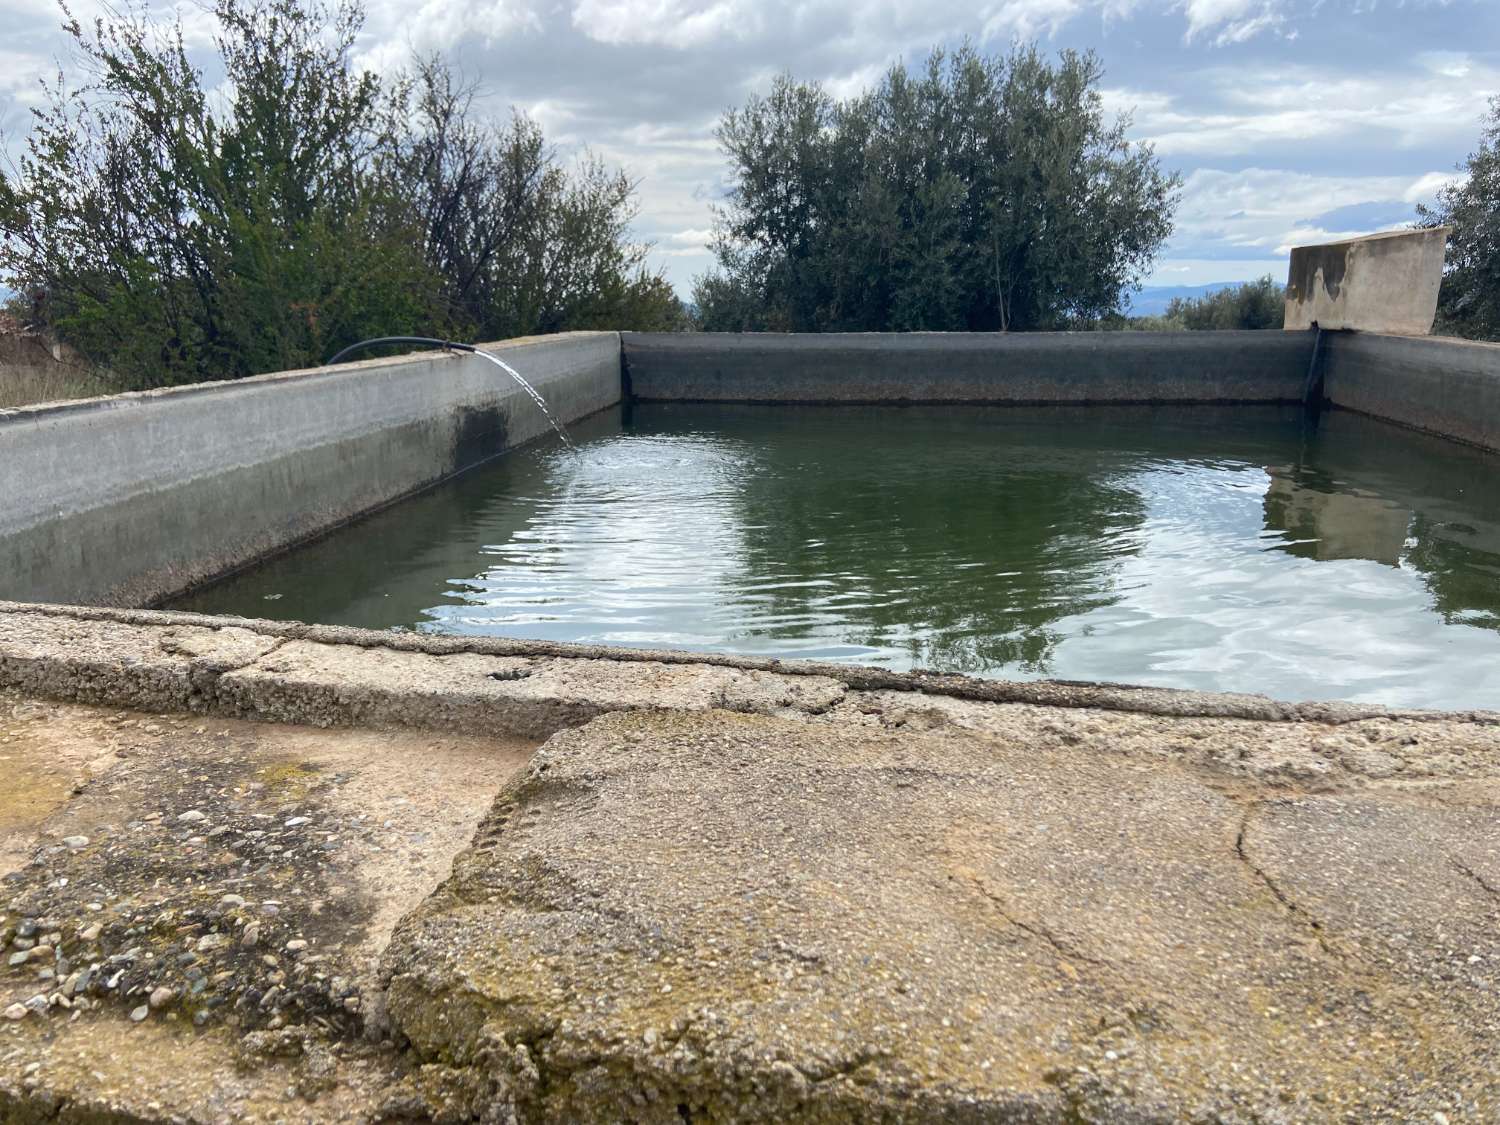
1383 283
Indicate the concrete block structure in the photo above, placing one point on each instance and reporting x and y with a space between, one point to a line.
1386 283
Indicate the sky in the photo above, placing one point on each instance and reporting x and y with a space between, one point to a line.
1291 121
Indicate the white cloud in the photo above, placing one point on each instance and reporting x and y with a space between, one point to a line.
852 84
687 24
1231 21
673 23
20 73
395 29
1244 110
1450 64
1206 271
1143 105
1425 188
1027 19
1263 212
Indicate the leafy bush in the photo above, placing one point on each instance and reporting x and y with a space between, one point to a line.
1255 304
522 244
181 232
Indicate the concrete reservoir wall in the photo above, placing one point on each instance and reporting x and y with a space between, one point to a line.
128 499
1036 367
1441 386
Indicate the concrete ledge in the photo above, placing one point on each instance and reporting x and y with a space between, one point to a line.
934 367
331 674
132 498
1446 387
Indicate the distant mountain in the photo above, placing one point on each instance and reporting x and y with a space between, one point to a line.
1152 300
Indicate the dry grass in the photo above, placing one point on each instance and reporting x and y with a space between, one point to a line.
34 368
25 384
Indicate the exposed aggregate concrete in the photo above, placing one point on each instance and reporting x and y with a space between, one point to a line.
720 891
953 927
233 882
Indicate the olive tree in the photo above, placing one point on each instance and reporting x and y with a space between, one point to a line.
1469 302
522 242
980 193
180 231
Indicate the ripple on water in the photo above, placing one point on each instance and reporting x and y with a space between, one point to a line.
1201 548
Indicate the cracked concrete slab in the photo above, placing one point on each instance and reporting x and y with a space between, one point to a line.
724 892
1404 883
733 918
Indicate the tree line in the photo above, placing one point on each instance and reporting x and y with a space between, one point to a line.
1249 305
171 230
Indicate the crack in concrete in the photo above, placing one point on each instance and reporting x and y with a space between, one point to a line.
1300 913
1488 887
281 642
1036 930
206 679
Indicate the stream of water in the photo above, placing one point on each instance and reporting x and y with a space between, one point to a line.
541 403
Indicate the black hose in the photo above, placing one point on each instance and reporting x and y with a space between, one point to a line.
446 345
1312 390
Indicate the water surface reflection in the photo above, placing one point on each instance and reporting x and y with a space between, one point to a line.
1202 547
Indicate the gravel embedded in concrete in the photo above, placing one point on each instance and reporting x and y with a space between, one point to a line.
737 893
736 917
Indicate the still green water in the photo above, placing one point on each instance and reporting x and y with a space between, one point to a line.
1219 549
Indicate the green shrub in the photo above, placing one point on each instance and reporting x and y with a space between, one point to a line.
179 234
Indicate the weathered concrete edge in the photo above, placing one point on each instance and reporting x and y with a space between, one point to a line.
61 679
290 375
1014 369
